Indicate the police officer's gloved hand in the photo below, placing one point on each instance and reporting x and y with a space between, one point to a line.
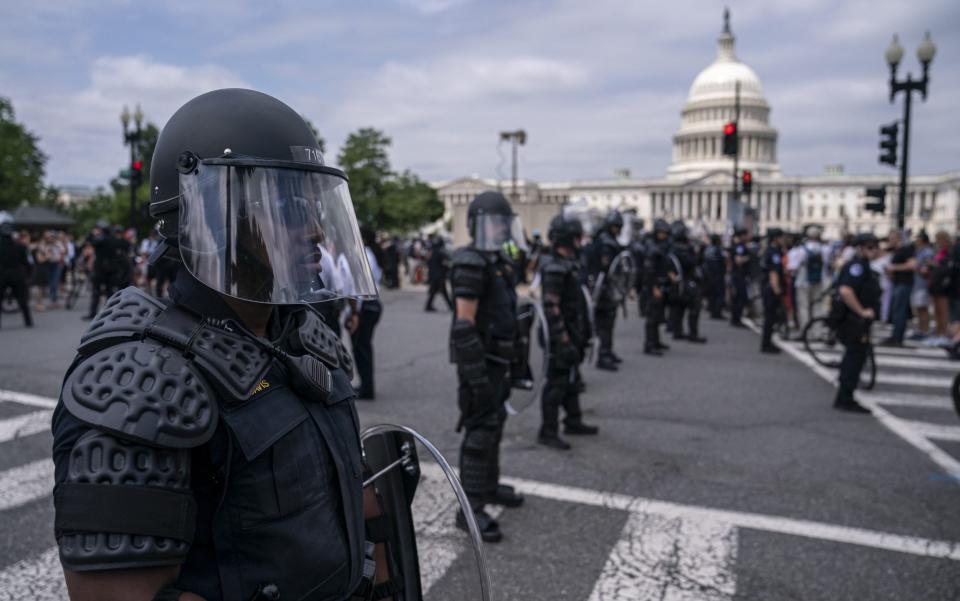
470 357
568 354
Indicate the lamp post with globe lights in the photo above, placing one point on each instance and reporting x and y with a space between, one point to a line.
893 55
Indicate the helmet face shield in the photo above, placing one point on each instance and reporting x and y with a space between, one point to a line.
493 231
272 232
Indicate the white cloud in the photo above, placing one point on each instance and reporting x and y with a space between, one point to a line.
431 7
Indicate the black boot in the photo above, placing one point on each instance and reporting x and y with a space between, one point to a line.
661 346
607 363
770 349
553 441
696 339
652 351
578 428
844 401
616 358
489 528
507 496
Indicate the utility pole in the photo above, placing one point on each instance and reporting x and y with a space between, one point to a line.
516 138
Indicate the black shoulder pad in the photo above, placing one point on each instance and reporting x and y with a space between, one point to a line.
466 256
145 392
124 317
556 267
315 337
234 364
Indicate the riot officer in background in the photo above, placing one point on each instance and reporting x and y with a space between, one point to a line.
685 290
239 475
715 271
604 250
854 310
482 342
656 282
739 257
437 273
111 264
638 248
773 284
565 311
14 266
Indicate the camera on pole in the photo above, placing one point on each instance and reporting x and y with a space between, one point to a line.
880 205
888 143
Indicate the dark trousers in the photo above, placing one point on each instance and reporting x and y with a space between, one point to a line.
482 420
772 308
561 390
604 319
900 310
715 297
17 285
856 341
739 300
362 341
104 284
691 307
655 310
438 285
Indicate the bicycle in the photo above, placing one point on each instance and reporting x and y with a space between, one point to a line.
79 284
820 340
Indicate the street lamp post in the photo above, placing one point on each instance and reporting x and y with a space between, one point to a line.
131 137
894 53
518 137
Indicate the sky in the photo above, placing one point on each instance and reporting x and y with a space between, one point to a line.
597 85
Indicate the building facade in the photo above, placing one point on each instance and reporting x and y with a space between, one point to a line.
698 184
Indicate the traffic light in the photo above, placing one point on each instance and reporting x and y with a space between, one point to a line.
880 206
888 143
730 139
746 182
136 174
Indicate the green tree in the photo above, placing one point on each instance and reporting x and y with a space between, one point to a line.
409 203
21 161
365 161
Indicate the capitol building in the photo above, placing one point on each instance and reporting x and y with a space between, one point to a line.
697 185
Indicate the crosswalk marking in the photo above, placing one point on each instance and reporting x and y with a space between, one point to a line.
24 398
25 483
920 401
937 431
37 579
900 361
892 351
672 559
24 425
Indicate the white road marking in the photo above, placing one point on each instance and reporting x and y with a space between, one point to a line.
920 401
911 545
671 559
892 351
27 399
921 363
26 483
914 380
37 579
936 431
27 424
896 425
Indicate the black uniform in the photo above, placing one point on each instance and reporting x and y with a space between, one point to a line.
483 352
854 331
739 274
715 272
111 267
655 277
238 473
437 274
685 292
606 248
772 301
14 267
565 310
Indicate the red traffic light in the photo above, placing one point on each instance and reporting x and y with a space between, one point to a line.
747 177
138 165
729 129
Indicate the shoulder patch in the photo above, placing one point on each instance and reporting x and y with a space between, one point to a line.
856 270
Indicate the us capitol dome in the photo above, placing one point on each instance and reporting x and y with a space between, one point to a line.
697 186
711 103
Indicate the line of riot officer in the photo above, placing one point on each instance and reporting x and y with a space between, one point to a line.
686 285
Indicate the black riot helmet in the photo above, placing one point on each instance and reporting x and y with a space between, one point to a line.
6 229
244 197
613 219
661 229
678 230
565 231
491 222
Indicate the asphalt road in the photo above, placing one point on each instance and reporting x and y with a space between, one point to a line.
719 473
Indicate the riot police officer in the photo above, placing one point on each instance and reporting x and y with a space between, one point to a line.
715 270
14 266
773 284
565 313
234 467
740 258
854 310
656 282
605 249
482 342
685 295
